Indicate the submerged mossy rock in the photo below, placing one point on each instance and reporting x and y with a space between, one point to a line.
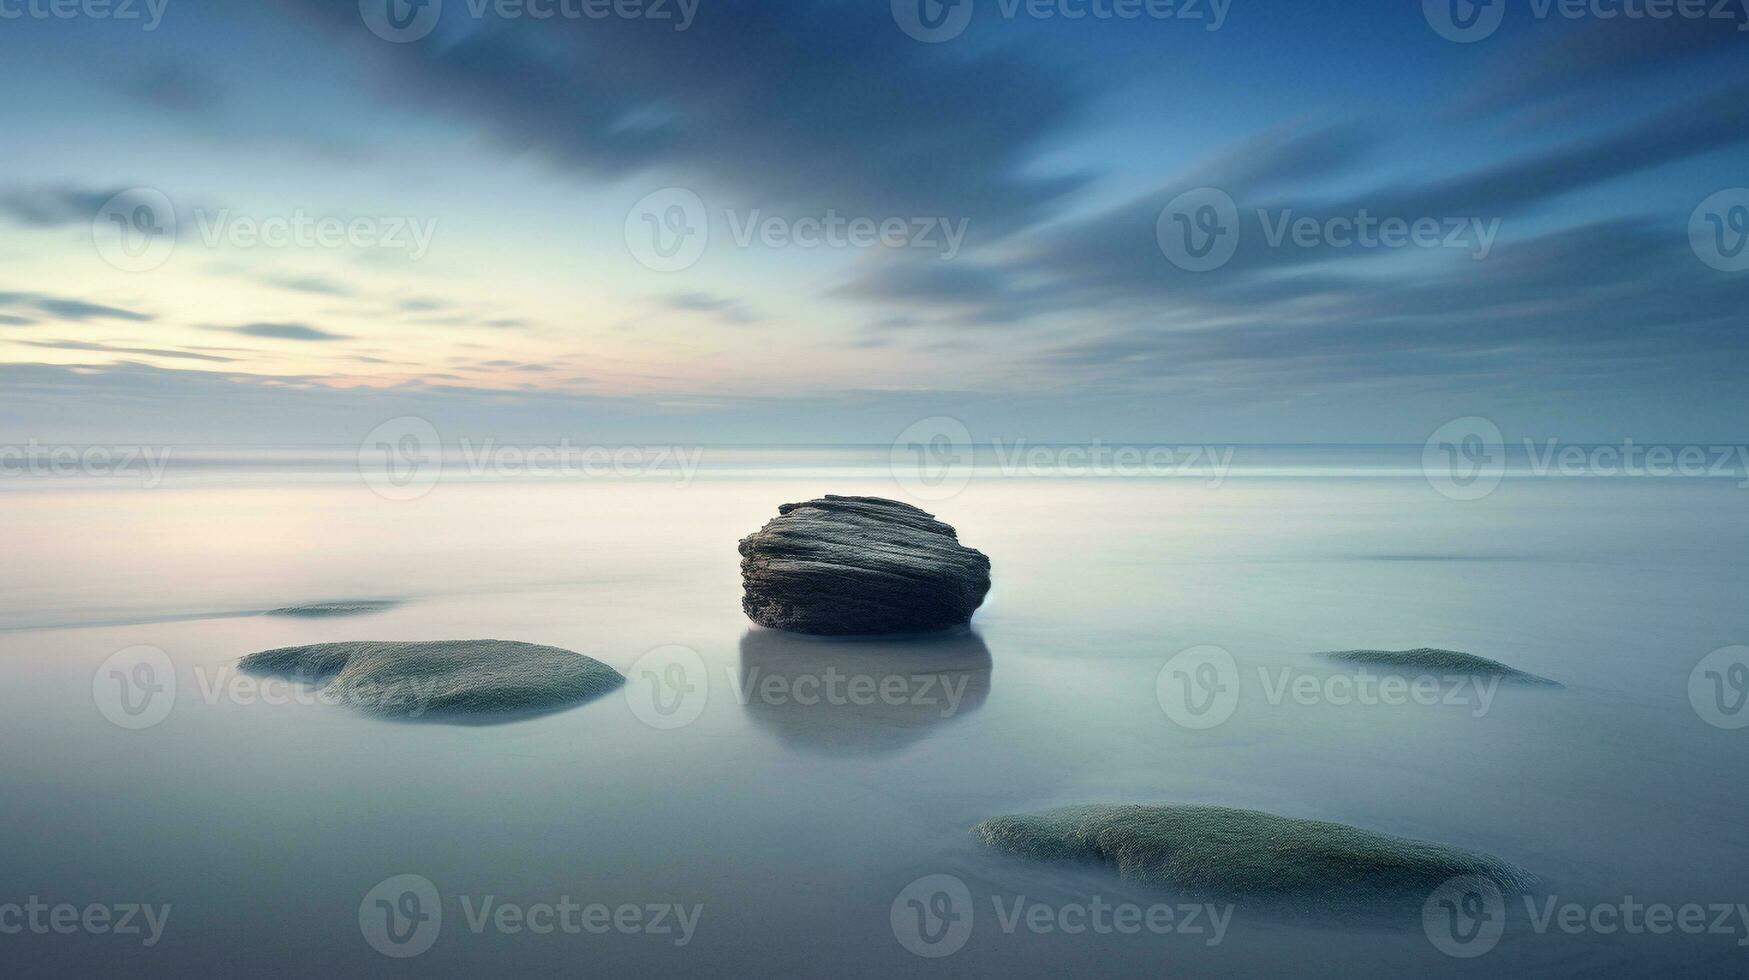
1432 660
348 607
1235 854
443 680
842 566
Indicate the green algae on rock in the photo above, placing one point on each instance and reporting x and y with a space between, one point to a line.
1232 853
322 610
1430 659
443 680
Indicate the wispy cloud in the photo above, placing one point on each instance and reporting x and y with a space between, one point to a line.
71 309
108 349
54 207
285 331
728 308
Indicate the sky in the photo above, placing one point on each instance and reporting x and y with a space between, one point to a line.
284 221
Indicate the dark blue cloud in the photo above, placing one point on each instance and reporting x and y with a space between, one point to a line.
809 104
54 207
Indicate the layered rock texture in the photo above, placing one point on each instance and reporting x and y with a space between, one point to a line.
840 566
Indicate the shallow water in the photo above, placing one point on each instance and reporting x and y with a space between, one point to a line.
794 828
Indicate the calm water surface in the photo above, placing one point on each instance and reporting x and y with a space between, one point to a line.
793 827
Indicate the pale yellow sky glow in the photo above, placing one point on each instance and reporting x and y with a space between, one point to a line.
384 320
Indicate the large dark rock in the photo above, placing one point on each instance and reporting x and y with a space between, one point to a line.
839 566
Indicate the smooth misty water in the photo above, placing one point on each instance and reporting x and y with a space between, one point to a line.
795 826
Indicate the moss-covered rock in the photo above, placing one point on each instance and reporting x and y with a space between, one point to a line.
1432 660
1237 854
323 610
443 680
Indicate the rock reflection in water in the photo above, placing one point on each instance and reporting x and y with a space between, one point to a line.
860 696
